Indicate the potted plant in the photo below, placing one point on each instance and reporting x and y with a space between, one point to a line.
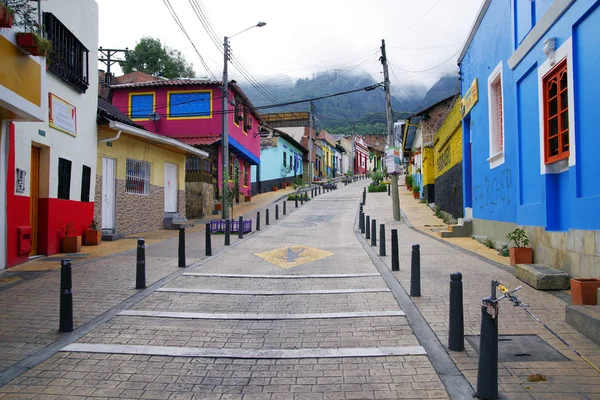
416 189
584 291
275 188
6 16
70 243
93 236
33 43
519 253
409 182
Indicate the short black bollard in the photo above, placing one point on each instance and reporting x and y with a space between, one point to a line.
382 240
66 297
415 271
364 197
373 232
395 258
319 189
362 222
276 211
301 199
487 370
312 192
207 241
267 216
227 232
456 330
389 186
305 196
296 199
368 227
241 227
181 247
140 265
284 205
258 220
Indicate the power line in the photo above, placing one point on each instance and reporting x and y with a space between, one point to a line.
419 20
432 68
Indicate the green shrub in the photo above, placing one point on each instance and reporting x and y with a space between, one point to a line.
489 242
518 237
379 188
504 251
416 188
293 196
409 180
438 211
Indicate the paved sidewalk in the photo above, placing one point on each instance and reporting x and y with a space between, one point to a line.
324 326
569 379
30 304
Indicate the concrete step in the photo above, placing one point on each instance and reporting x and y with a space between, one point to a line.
586 319
464 230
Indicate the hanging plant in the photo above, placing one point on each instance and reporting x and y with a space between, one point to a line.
6 16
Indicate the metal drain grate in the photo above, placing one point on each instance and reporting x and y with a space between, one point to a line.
521 348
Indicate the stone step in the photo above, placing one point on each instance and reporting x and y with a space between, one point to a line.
586 319
542 277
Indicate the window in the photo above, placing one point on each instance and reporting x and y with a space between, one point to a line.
189 104
141 105
556 114
247 120
85 183
291 160
496 117
64 179
137 177
237 114
70 58
284 159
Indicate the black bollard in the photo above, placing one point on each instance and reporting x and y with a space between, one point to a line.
301 199
227 232
319 189
276 211
258 220
415 271
373 232
487 370
368 228
361 219
395 258
207 240
296 199
284 205
389 186
267 217
362 222
181 247
66 297
382 240
456 330
140 265
364 197
305 196
241 227
312 192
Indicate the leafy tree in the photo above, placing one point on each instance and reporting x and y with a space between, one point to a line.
233 193
151 57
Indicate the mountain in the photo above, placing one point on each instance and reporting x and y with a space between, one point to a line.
442 89
334 112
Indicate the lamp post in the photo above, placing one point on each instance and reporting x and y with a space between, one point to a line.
224 132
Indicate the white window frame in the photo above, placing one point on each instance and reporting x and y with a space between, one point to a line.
145 179
496 157
564 51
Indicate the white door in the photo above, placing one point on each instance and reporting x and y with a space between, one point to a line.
170 187
108 193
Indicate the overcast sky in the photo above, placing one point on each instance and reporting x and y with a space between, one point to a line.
303 37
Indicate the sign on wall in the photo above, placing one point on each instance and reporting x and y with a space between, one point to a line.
20 180
63 116
393 160
470 99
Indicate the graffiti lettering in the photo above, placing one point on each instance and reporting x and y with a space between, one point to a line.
493 193
444 159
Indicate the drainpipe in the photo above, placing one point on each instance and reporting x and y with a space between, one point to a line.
110 139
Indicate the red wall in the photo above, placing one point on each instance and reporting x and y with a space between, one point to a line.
191 127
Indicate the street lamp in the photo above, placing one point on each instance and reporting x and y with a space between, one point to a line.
224 133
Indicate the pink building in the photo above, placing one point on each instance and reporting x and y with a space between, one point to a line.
190 110
361 156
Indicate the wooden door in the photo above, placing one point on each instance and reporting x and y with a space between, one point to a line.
34 197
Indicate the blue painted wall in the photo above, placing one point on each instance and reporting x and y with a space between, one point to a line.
271 161
517 191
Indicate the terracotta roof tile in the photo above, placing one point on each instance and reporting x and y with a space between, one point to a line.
194 141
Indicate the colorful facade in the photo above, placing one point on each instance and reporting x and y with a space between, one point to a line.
361 155
48 133
530 139
190 110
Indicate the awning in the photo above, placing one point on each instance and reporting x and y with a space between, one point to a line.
204 140
236 148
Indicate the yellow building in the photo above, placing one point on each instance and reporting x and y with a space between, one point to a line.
140 178
448 162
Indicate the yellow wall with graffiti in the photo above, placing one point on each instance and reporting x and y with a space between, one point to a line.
448 142
428 166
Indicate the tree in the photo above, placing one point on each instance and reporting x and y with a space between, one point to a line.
151 57
233 193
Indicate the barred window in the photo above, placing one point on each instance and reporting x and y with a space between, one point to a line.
137 179
64 179
86 174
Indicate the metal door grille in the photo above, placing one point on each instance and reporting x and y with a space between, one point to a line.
137 177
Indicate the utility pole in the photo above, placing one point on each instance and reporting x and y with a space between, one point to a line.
390 126
108 60
311 128
225 134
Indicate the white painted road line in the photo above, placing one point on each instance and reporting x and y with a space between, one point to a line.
317 276
257 316
243 353
270 292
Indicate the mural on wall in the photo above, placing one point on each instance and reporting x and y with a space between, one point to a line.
493 193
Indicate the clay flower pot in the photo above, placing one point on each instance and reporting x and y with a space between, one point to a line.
92 237
71 244
520 255
584 291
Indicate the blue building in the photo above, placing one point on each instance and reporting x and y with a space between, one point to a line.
530 131
281 159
